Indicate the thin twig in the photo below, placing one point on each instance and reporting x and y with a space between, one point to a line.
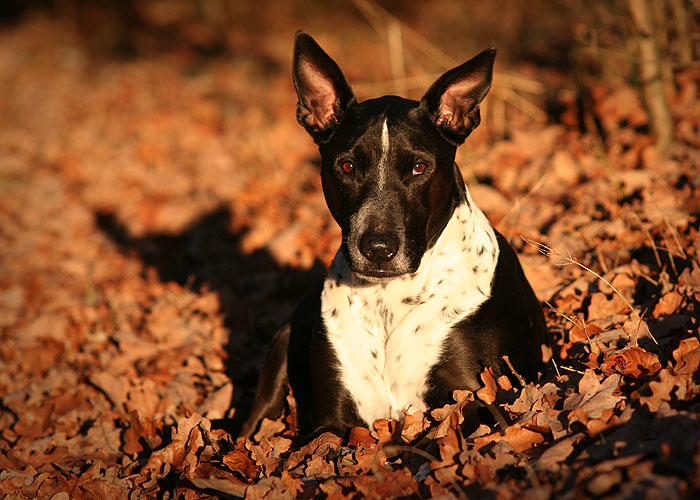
522 381
556 368
571 370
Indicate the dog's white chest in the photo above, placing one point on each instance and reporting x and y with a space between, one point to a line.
388 336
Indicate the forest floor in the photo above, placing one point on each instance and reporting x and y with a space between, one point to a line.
160 217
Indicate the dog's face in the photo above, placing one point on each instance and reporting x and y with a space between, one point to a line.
388 168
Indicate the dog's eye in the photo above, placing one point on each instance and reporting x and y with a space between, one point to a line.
347 166
419 167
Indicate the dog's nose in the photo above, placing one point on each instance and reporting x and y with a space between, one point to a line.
379 247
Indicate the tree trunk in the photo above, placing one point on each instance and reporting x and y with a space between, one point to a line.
650 71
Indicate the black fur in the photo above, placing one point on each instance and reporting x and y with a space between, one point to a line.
413 211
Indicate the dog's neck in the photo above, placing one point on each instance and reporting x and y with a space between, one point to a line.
455 275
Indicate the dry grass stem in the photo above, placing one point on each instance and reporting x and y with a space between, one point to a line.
568 259
601 259
676 237
599 147
651 238
670 255
511 217
505 84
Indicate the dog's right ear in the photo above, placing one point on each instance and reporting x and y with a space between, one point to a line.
324 93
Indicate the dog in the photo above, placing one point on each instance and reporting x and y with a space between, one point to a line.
423 292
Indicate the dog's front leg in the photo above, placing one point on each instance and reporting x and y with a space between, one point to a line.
272 384
334 408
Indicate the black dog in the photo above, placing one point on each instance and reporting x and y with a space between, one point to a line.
423 293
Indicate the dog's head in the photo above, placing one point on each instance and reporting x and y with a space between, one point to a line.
388 168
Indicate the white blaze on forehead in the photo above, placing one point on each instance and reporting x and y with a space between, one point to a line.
384 158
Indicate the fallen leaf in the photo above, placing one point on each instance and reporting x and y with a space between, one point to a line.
518 437
669 303
554 456
602 306
687 356
594 397
632 362
487 394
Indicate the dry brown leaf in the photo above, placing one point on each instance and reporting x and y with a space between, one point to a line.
272 488
384 430
267 453
504 383
687 356
603 482
661 390
414 424
602 306
269 428
217 402
207 476
393 484
444 415
487 394
239 461
361 438
554 456
669 303
139 433
632 362
594 397
115 388
518 437
172 456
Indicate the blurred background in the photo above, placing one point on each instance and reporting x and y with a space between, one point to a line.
548 49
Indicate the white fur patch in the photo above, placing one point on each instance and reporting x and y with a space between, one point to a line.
387 336
384 159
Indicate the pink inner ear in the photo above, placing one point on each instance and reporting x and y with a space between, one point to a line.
458 101
319 98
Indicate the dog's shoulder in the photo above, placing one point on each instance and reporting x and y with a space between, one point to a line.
509 323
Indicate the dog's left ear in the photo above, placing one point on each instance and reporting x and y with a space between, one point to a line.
452 102
324 93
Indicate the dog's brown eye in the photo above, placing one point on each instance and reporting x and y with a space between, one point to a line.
347 166
419 167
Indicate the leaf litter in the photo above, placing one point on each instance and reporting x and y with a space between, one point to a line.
146 261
